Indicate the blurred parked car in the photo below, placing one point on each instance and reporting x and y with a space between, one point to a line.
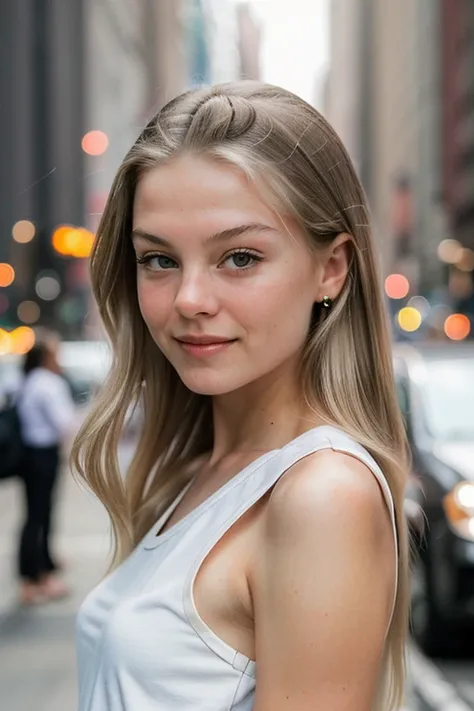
435 385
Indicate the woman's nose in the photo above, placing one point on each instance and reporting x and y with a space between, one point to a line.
196 296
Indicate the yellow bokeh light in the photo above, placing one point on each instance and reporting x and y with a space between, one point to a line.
7 274
84 244
457 327
22 340
23 231
409 319
5 342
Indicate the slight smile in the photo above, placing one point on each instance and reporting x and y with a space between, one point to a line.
204 345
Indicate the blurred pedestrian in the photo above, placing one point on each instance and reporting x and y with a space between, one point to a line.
46 412
260 525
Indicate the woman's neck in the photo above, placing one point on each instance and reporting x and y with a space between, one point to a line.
259 418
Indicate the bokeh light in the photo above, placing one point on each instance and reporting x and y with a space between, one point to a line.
22 340
23 231
7 274
450 251
420 304
70 241
5 342
409 319
457 327
48 288
28 312
94 143
397 286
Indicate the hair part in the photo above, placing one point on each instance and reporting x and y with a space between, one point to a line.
290 151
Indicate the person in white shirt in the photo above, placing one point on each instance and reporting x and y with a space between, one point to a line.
46 413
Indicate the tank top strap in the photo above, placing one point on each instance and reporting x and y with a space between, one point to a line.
258 480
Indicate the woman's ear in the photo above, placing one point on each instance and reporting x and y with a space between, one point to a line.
336 264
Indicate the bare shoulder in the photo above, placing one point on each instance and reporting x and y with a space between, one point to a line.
326 572
325 490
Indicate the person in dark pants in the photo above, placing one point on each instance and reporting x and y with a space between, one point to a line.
46 412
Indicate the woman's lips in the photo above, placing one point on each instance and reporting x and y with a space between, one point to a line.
204 349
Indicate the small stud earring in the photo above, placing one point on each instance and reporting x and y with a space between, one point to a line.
327 302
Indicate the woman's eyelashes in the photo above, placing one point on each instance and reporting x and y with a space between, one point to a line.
242 259
163 262
237 260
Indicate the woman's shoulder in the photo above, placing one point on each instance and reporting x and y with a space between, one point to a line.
322 489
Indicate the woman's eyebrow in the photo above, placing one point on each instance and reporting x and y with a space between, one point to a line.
221 236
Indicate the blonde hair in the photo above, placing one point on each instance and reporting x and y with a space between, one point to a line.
347 373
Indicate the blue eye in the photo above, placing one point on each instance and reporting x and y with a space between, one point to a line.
241 260
157 262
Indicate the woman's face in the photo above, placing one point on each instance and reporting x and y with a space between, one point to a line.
225 290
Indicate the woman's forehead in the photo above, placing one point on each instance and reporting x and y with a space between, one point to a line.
189 181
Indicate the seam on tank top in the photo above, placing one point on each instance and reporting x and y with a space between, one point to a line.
236 691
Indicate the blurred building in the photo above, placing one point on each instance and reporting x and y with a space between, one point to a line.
383 98
400 94
42 121
457 18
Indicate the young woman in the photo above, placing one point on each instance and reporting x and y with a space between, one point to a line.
261 549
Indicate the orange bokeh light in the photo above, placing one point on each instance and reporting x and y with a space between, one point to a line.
73 241
22 340
397 286
94 143
7 274
457 327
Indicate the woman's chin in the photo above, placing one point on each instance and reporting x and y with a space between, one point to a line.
211 386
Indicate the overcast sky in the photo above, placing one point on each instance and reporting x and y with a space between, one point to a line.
295 44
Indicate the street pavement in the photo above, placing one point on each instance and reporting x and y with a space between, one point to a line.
37 657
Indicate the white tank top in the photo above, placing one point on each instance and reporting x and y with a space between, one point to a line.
141 644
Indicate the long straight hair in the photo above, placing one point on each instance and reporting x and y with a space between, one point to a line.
278 140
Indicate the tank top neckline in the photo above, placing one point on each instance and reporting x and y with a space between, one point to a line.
154 538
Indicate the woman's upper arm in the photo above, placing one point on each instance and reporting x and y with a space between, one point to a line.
323 588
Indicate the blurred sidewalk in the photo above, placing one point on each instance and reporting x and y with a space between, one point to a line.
37 655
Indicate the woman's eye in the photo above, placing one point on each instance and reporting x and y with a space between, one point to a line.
157 262
241 260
